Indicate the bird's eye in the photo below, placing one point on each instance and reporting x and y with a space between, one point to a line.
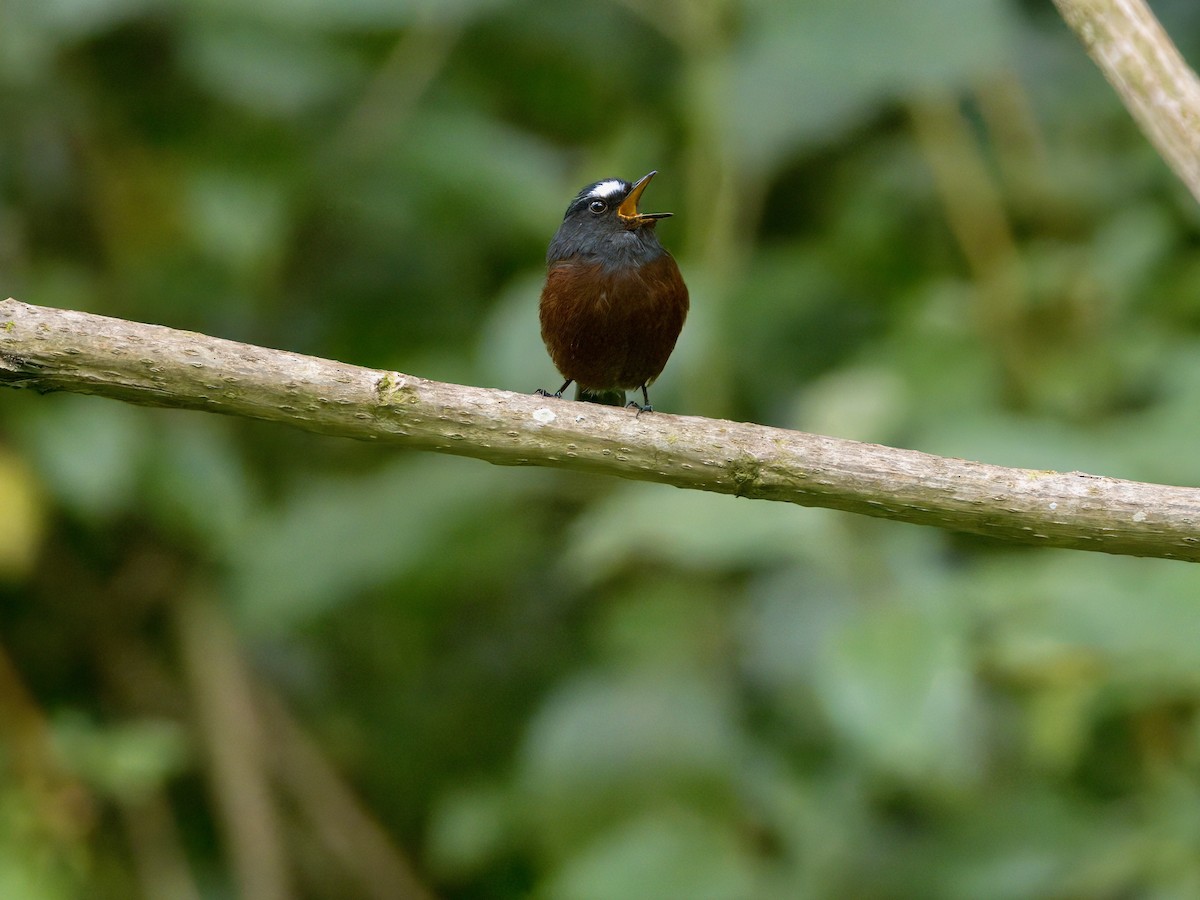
597 206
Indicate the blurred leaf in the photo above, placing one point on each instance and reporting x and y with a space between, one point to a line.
240 220
1027 842
268 72
81 18
468 828
1070 610
1042 444
1129 247
665 624
125 761
807 70
791 616
511 354
90 453
818 826
601 748
22 517
198 484
633 525
335 536
24 878
348 14
897 683
864 403
665 853
34 32
473 168
1060 719
1169 456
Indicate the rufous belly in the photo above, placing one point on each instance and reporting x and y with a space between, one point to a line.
615 329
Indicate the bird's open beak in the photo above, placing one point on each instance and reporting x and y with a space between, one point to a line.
628 210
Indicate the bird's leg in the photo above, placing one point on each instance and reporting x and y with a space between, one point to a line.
640 407
542 392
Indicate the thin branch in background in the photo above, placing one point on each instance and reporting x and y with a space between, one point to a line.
1015 137
335 815
157 849
977 218
1140 61
63 350
321 800
398 85
234 737
64 805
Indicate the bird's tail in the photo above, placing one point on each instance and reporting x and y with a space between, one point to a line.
607 398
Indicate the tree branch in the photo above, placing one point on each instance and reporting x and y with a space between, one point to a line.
1138 58
60 350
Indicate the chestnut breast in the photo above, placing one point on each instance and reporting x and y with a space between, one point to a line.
615 327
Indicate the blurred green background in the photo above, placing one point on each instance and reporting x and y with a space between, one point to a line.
242 661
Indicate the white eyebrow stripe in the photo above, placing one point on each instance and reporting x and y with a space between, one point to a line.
607 188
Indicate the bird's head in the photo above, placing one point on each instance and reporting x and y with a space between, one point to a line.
604 216
613 203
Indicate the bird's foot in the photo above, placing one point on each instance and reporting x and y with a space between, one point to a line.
542 392
641 407
633 404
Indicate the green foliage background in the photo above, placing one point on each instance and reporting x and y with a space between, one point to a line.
929 224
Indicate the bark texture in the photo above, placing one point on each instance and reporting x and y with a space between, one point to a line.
60 350
1140 61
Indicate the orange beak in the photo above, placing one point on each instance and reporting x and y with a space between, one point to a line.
628 210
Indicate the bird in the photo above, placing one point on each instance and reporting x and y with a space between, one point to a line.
614 301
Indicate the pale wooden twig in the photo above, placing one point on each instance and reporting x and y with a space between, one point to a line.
60 350
1138 58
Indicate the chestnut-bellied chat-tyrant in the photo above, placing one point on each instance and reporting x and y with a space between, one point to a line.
614 301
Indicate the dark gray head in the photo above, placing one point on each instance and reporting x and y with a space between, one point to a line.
603 224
